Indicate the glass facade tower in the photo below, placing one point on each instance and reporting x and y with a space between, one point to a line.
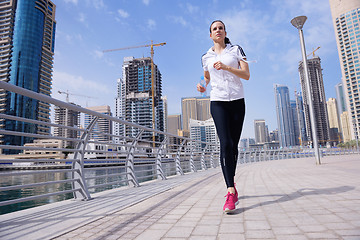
346 22
285 117
29 63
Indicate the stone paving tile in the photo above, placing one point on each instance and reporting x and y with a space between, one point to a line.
285 199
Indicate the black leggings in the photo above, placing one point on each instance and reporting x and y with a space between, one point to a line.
228 118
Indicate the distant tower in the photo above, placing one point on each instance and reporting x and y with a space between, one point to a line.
285 116
119 129
261 134
196 108
346 17
319 100
27 39
69 118
136 97
203 131
301 119
334 122
102 125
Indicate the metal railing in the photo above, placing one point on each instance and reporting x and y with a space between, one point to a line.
91 165
47 170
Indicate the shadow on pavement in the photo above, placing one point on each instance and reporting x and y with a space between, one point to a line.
289 197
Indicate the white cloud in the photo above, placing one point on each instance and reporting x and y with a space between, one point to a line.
123 13
191 8
72 1
77 85
146 2
151 24
179 20
82 17
98 54
98 4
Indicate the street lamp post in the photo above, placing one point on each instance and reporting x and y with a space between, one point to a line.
298 22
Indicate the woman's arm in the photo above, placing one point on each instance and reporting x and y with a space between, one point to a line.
242 72
207 80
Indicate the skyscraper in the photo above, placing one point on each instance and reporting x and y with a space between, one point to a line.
340 98
27 48
203 131
319 100
334 122
346 20
261 134
102 126
301 119
134 97
119 129
196 108
285 116
173 127
69 118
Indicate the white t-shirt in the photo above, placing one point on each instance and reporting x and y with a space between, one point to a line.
225 86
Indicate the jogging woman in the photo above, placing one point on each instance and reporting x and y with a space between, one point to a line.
224 65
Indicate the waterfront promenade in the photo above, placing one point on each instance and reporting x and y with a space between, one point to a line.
280 199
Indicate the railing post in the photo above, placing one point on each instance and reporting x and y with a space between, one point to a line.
159 171
212 164
203 165
130 171
191 161
79 164
179 170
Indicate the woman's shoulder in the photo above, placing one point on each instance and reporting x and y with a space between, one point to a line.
236 49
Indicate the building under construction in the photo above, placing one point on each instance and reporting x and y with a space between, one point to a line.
319 100
134 98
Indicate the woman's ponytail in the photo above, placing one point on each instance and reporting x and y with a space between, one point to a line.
227 40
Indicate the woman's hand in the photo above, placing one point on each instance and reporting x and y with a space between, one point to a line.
242 72
219 65
200 88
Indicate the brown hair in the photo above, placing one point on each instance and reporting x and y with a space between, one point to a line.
227 40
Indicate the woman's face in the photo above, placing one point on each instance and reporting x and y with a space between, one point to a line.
218 32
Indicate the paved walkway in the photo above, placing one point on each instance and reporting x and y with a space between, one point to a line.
284 199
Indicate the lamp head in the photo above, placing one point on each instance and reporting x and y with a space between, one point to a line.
298 22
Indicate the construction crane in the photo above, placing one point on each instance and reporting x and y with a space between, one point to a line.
313 52
67 95
152 45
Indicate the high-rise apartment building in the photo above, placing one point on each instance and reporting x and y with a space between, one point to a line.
318 98
174 127
134 97
346 20
340 98
285 118
174 123
26 60
103 127
261 132
302 138
346 127
203 131
196 108
334 120
69 118
295 119
119 129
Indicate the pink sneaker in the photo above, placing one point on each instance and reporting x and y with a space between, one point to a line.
230 201
236 195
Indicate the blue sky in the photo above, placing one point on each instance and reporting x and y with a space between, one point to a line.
262 27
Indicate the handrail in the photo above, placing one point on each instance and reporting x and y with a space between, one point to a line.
94 165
